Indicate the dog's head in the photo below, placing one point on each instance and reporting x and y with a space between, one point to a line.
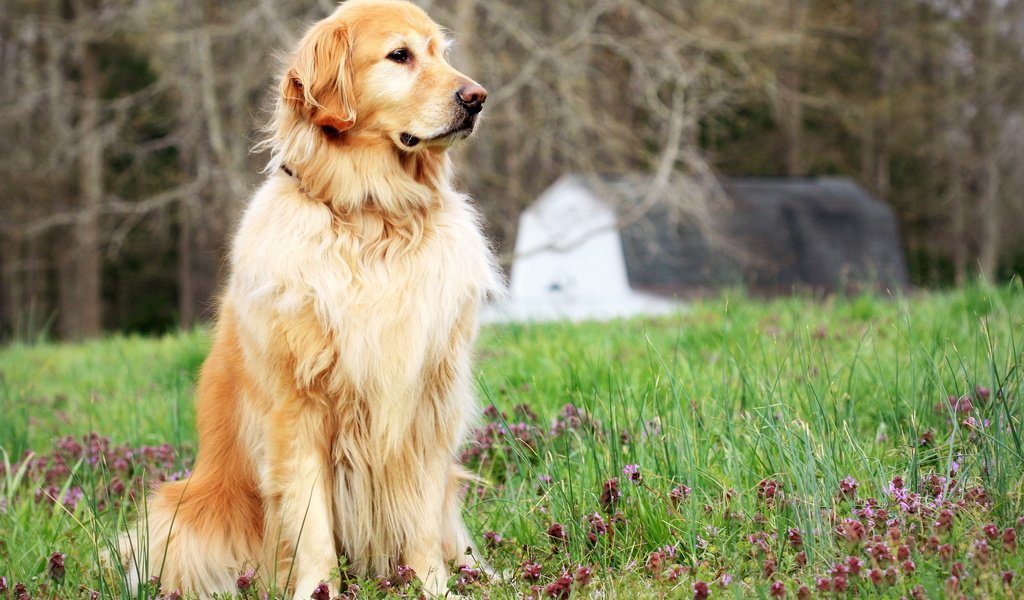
379 69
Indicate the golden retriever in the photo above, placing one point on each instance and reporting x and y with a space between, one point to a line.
338 388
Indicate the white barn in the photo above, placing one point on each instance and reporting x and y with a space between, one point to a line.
574 262
569 263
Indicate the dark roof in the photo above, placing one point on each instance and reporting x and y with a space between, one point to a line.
778 234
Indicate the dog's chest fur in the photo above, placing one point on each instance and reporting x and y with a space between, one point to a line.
365 303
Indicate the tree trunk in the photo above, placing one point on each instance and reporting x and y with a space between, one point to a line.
89 268
186 284
958 223
79 269
10 288
789 109
989 205
884 64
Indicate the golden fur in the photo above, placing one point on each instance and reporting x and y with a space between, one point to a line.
338 388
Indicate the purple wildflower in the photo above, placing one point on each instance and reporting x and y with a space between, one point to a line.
561 587
321 592
404 574
701 591
582 576
531 570
610 494
557 535
244 581
492 539
55 567
848 487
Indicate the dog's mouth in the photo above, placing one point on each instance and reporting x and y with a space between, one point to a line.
460 131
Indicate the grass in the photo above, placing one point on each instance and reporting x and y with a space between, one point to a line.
763 433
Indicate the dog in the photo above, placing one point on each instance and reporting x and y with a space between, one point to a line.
338 389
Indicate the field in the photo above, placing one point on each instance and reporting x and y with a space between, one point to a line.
791 448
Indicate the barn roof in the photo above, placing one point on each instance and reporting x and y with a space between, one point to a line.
776 234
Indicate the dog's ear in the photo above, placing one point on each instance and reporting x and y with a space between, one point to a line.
319 81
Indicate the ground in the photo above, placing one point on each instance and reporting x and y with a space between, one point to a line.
745 448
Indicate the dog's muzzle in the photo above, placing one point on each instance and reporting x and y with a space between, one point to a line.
470 99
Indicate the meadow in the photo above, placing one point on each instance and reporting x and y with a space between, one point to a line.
796 448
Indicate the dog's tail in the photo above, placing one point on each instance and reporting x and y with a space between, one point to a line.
196 535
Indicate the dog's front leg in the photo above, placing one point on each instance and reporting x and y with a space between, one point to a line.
424 556
300 531
424 550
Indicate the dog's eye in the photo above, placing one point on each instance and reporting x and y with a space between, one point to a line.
400 56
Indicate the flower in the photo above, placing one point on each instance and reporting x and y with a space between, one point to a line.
492 539
55 567
980 552
1010 539
561 587
633 472
655 563
582 576
875 575
951 585
466 578
945 552
848 487
678 494
854 564
881 553
960 405
890 575
895 487
598 527
556 533
701 591
404 573
852 531
531 570
610 494
903 552
769 490
321 592
244 581
958 569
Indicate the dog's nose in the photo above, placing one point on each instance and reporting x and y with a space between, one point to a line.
472 97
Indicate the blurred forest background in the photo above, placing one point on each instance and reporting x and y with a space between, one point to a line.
126 126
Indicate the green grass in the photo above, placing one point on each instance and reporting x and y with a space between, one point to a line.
731 393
